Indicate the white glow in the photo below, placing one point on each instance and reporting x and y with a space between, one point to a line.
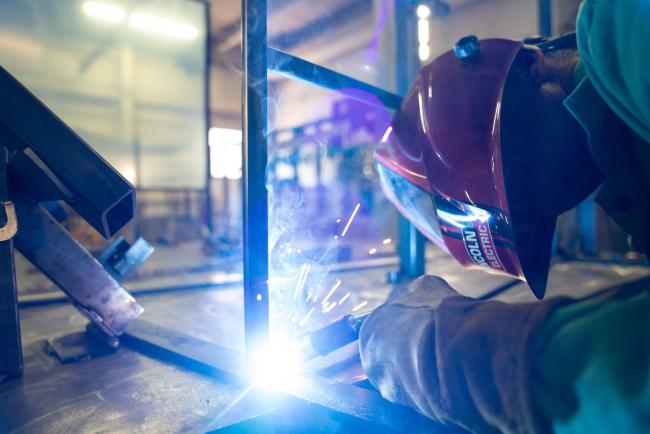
424 52
387 241
162 26
423 32
386 135
329 307
360 306
306 317
460 221
354 214
423 11
422 113
108 12
276 365
329 294
225 153
128 172
372 251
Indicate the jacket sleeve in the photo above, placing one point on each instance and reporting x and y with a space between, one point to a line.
458 360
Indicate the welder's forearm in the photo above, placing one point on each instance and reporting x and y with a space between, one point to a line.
590 353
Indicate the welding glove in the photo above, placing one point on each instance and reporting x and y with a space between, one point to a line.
458 360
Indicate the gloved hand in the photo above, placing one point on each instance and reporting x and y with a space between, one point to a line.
458 360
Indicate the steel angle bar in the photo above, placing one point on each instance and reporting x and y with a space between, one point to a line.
47 245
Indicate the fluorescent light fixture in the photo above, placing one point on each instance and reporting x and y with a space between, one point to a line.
162 26
423 11
423 31
108 12
225 153
424 52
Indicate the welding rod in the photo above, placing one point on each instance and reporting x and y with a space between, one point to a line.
337 334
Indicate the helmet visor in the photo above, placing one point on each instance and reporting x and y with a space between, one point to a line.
413 202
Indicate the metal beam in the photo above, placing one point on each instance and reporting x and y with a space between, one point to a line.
255 196
295 68
545 17
47 245
411 242
11 360
207 358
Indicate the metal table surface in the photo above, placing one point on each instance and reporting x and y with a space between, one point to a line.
132 392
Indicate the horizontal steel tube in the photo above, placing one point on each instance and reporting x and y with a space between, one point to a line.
295 68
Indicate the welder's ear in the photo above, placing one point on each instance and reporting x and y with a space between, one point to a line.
531 65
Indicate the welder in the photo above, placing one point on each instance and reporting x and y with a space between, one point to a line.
495 140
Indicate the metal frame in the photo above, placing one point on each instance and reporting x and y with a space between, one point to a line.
254 160
411 241
257 60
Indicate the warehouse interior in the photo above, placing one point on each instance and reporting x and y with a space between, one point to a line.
164 93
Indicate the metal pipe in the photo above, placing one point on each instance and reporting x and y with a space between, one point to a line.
254 161
411 242
545 11
295 68
209 217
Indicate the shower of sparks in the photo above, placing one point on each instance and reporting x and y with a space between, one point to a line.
304 320
329 308
329 294
354 214
372 251
345 297
359 306
387 241
304 271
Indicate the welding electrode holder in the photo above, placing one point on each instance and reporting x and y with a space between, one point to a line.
337 334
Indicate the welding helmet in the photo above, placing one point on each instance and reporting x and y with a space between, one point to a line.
440 163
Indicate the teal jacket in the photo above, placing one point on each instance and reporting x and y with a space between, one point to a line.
612 102
593 369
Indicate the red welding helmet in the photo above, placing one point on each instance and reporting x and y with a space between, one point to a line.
440 163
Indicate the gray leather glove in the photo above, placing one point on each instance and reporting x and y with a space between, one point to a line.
458 360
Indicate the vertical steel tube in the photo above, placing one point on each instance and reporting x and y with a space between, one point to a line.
255 198
11 359
545 17
209 216
411 242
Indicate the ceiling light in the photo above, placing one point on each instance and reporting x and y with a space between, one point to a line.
108 12
423 11
162 26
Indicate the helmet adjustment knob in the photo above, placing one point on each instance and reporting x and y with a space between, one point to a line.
467 48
